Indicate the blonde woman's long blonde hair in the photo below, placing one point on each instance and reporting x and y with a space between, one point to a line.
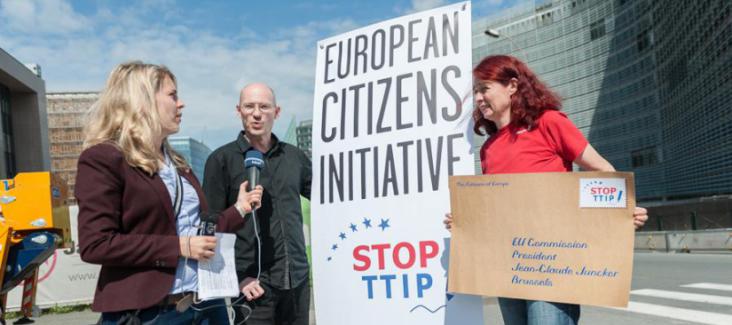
126 116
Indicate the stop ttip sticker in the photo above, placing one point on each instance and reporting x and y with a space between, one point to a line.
602 193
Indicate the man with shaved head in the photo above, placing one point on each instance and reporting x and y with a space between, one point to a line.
281 294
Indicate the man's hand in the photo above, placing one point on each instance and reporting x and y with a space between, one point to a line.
247 201
251 289
640 216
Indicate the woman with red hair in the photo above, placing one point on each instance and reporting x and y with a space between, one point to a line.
528 134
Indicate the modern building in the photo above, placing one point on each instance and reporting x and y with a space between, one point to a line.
23 123
194 151
291 133
305 137
649 83
693 45
692 41
66 112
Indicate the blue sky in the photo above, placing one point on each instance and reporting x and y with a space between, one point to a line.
213 47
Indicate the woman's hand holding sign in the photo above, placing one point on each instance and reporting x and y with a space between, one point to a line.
448 221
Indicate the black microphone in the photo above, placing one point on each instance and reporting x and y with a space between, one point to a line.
208 224
253 163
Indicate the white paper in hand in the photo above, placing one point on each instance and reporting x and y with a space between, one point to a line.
217 276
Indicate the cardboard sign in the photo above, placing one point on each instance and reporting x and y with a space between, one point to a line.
562 237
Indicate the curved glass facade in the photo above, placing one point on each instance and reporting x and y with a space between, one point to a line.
631 77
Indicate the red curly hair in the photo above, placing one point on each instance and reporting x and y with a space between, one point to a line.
531 99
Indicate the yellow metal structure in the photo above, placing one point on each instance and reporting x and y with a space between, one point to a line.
31 202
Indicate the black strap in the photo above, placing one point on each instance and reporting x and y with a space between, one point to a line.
130 318
178 202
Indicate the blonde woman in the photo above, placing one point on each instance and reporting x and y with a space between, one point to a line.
139 205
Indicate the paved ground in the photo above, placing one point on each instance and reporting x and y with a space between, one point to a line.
667 289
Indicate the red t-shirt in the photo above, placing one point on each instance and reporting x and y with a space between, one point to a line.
551 146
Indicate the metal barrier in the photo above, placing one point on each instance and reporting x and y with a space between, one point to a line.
685 240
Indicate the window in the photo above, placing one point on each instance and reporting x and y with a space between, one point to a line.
644 41
644 157
7 132
676 73
597 29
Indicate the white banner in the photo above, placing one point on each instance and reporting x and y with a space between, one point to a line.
64 279
392 119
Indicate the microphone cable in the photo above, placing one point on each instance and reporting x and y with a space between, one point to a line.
237 302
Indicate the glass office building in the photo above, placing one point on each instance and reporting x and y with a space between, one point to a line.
647 82
305 137
194 151
693 46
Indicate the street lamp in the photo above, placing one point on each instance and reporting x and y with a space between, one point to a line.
495 34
